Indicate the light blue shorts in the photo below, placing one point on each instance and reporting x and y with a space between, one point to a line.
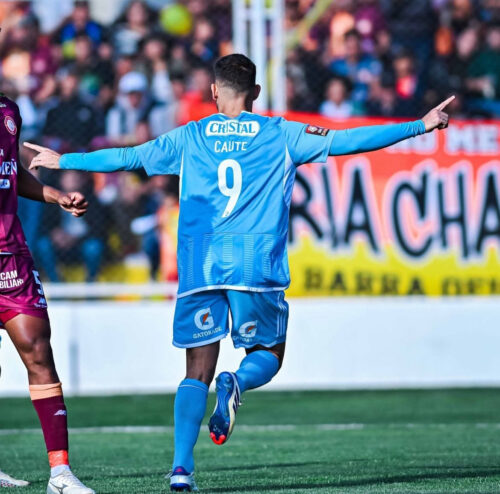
257 318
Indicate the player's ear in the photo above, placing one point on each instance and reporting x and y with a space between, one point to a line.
256 91
215 91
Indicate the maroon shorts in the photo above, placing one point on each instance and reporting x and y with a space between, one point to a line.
21 290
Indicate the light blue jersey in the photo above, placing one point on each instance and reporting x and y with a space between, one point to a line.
236 180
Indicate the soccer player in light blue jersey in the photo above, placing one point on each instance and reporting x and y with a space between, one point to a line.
237 171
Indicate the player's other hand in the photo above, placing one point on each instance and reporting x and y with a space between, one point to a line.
437 118
46 157
74 203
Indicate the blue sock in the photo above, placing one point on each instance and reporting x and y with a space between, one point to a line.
257 369
189 410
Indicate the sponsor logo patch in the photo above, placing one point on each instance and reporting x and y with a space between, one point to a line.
317 131
248 329
203 319
4 183
10 125
232 128
10 279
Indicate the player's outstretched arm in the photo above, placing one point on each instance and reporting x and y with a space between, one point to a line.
373 137
104 161
30 187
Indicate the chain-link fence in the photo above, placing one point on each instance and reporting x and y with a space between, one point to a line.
89 75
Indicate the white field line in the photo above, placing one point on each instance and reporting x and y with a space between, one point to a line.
138 429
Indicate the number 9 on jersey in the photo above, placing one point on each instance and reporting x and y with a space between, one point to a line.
232 192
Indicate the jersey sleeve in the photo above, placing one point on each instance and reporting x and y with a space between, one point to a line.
163 155
307 143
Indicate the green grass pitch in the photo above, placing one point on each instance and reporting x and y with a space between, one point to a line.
440 441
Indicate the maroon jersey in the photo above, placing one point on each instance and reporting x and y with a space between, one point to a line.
12 240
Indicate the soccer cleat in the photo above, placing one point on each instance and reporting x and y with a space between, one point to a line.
8 481
67 483
222 421
181 480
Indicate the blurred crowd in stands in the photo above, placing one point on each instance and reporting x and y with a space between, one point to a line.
396 57
84 84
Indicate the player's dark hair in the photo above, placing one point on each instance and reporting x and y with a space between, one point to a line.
235 71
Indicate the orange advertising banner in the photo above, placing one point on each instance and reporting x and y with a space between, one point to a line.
419 218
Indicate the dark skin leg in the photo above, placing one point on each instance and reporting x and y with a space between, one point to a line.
201 361
31 337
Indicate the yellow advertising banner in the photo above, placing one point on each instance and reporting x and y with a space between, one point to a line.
419 218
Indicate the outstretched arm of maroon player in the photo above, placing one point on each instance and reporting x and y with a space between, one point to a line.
30 187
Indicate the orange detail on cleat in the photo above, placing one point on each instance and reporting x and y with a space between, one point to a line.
218 441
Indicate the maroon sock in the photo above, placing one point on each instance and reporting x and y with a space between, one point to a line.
54 421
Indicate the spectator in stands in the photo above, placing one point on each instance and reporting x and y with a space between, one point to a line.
136 117
360 68
342 21
369 23
448 73
198 98
296 101
126 123
384 101
204 47
26 58
406 84
490 11
463 15
93 71
220 15
483 73
337 103
412 26
137 22
127 203
79 23
154 54
73 239
71 125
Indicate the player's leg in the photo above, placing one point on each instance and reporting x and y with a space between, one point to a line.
189 409
259 325
199 325
31 337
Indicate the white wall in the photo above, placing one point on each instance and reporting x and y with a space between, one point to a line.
119 347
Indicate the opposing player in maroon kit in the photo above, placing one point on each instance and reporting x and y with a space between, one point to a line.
23 308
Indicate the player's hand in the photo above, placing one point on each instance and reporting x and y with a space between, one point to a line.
46 157
74 203
437 118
